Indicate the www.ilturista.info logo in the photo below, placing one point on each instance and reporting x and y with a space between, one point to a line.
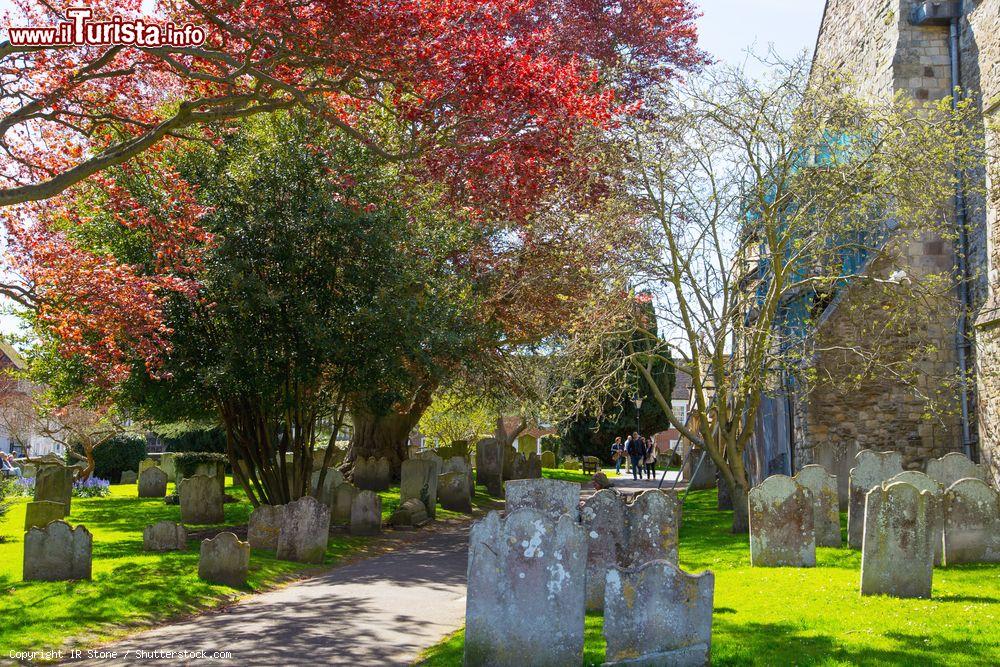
81 30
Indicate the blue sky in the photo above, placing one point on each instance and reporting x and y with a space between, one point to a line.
729 27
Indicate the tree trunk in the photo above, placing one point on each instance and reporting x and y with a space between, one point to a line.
741 509
385 434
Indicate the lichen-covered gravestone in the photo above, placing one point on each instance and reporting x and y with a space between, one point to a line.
343 498
225 560
657 614
164 536
548 459
782 533
462 465
40 513
653 520
200 500
305 530
897 554
552 496
870 470
826 506
57 553
936 517
265 525
419 479
489 456
525 599
55 482
603 520
146 464
971 523
952 467
128 477
331 481
453 492
366 514
152 483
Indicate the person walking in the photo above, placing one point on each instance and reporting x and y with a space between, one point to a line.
650 459
625 451
636 454
617 454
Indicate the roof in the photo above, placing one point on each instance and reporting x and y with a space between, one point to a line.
682 386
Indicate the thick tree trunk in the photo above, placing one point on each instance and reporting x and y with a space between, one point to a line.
741 510
385 434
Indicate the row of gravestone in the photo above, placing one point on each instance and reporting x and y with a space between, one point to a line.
497 463
550 559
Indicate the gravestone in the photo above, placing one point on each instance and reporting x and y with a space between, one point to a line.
366 514
548 460
168 466
897 554
870 470
936 517
653 519
332 480
656 614
419 479
433 457
152 483
782 533
837 458
265 525
29 470
954 466
304 531
459 464
534 469
551 496
146 464
525 596
453 492
410 514
603 520
55 482
57 553
826 506
489 455
971 511
200 500
570 464
40 513
509 461
699 476
343 499
164 536
480 472
372 474
225 560
129 477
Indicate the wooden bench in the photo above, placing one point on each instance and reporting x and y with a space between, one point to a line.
591 465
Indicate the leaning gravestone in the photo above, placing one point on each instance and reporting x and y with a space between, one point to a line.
225 560
201 500
305 529
548 460
897 554
128 477
936 517
366 514
459 464
164 536
453 492
826 506
265 525
40 513
489 455
57 553
152 483
870 470
551 496
952 467
782 533
410 514
343 499
331 481
419 479
55 482
525 599
971 523
146 464
657 614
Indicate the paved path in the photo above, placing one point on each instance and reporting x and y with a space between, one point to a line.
379 611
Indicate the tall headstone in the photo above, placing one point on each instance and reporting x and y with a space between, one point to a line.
419 479
870 470
490 461
55 482
826 506
366 514
331 481
551 496
164 536
57 552
40 513
954 466
225 560
343 499
782 533
548 460
509 462
971 523
201 500
936 517
434 458
462 465
480 470
265 525
453 492
304 532
897 553
525 599
152 483
656 614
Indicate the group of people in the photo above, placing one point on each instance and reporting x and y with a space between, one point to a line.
638 452
7 467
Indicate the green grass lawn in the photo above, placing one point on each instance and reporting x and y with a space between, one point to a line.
815 616
566 475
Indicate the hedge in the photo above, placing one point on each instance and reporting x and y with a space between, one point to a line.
118 454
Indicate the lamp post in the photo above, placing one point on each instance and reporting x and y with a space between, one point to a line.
637 399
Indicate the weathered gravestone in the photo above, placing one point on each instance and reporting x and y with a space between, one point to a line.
372 474
410 514
897 554
870 470
509 460
489 455
128 477
551 496
225 560
826 506
526 467
146 464
419 479
525 599
433 457
603 520
936 517
331 481
453 492
305 529
200 500
782 533
952 467
653 520
657 614
343 499
168 466
29 470
152 483
462 465
548 459
480 472
40 513
213 469
971 523
265 526
534 467
164 536
55 482
57 552
366 514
